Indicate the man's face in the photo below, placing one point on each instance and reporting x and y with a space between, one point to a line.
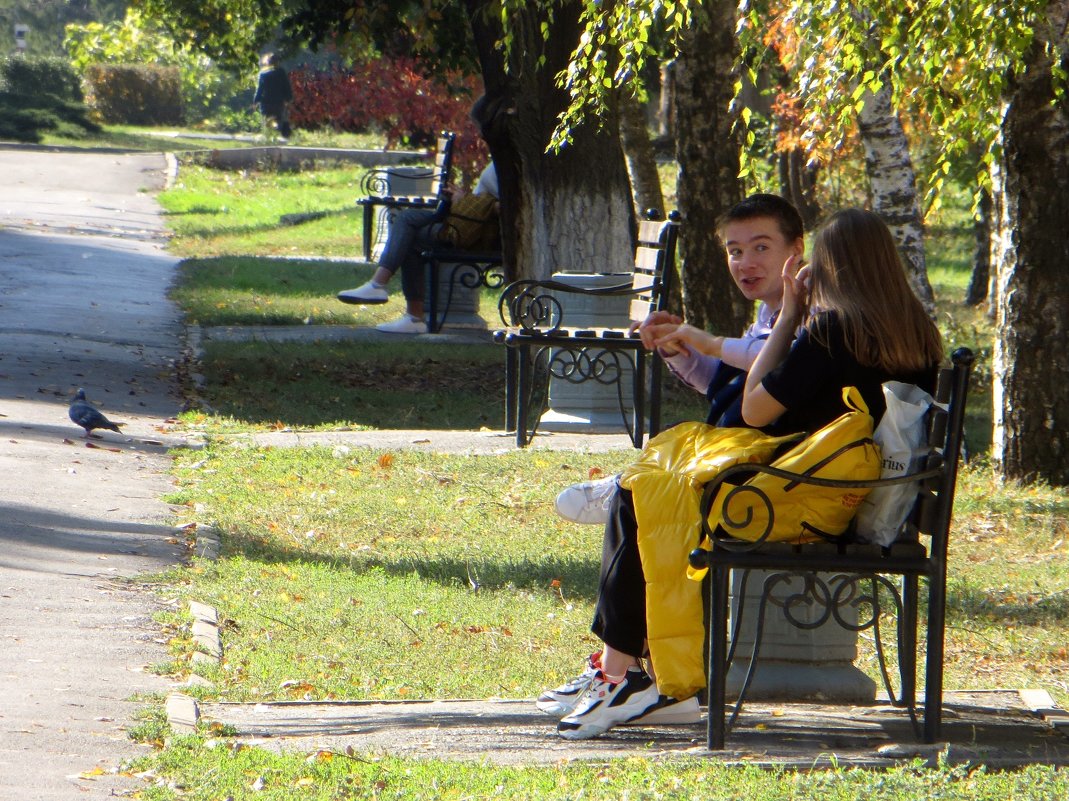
756 250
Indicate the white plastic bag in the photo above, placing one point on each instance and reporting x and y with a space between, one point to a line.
899 435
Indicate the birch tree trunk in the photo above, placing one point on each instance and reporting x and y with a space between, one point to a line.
641 161
707 151
570 210
1031 364
893 185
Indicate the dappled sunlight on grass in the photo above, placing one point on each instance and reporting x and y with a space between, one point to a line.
372 555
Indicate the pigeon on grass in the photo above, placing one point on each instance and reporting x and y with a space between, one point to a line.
86 415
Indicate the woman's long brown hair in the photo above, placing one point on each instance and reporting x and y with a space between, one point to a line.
857 272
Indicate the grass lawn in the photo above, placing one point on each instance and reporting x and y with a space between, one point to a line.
364 573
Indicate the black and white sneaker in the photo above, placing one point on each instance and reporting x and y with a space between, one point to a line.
560 701
604 705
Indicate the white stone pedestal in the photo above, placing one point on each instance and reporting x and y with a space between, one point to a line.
588 405
796 664
464 303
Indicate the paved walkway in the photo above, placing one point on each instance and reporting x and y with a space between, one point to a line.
83 278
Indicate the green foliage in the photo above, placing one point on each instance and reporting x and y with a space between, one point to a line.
947 64
233 32
618 41
207 91
135 94
34 76
40 94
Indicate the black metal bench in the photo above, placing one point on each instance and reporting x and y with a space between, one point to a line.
376 186
858 572
540 341
454 278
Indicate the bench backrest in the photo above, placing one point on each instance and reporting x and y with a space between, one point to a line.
536 307
443 162
945 429
655 265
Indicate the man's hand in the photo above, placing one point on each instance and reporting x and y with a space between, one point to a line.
655 326
694 338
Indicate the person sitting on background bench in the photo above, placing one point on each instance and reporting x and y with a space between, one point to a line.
759 234
861 326
411 232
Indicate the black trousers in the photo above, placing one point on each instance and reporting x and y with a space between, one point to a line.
620 612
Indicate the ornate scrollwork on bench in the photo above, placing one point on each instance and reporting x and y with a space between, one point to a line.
456 269
543 347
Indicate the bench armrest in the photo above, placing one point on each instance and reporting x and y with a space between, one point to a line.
755 498
533 305
376 182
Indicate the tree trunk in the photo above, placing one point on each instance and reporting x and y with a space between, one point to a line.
798 183
666 124
998 246
707 151
981 255
893 185
1031 364
560 211
641 162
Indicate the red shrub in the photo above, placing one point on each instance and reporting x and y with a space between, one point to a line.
394 97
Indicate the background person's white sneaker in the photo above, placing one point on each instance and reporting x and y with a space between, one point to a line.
365 293
587 502
403 325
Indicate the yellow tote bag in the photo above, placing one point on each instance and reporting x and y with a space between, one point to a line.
843 449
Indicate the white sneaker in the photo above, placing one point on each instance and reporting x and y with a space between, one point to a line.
670 711
605 705
403 325
587 502
560 701
365 293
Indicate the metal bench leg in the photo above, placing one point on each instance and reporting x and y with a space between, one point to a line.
523 392
369 210
510 388
430 268
718 651
933 674
656 374
639 399
907 644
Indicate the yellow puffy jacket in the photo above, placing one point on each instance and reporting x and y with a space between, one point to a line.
667 483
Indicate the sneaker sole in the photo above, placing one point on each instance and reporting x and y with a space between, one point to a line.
679 713
363 301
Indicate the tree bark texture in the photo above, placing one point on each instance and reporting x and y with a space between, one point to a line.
707 151
893 185
570 210
666 124
798 183
641 160
1000 244
1031 364
981 259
